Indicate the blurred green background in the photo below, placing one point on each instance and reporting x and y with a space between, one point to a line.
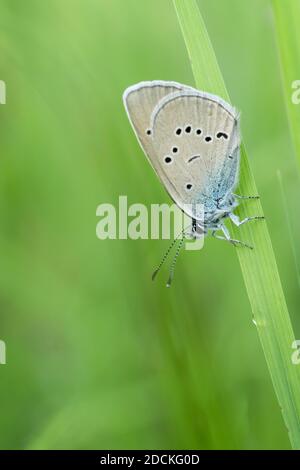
98 356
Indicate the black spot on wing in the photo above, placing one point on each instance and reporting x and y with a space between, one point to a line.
222 134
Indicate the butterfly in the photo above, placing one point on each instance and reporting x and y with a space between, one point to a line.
192 140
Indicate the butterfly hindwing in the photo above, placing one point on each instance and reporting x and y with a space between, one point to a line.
196 138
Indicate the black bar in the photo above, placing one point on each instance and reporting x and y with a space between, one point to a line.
139 458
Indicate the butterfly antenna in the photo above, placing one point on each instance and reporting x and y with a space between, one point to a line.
164 258
172 268
182 233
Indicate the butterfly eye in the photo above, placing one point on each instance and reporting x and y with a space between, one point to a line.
168 160
178 131
175 149
222 134
148 132
189 186
208 138
188 129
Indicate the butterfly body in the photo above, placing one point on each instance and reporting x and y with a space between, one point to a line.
213 219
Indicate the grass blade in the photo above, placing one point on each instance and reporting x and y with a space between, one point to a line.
287 20
258 266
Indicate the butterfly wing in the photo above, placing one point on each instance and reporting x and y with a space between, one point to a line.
195 138
175 124
140 101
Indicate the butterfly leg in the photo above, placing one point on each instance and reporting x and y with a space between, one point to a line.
228 238
238 196
236 220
